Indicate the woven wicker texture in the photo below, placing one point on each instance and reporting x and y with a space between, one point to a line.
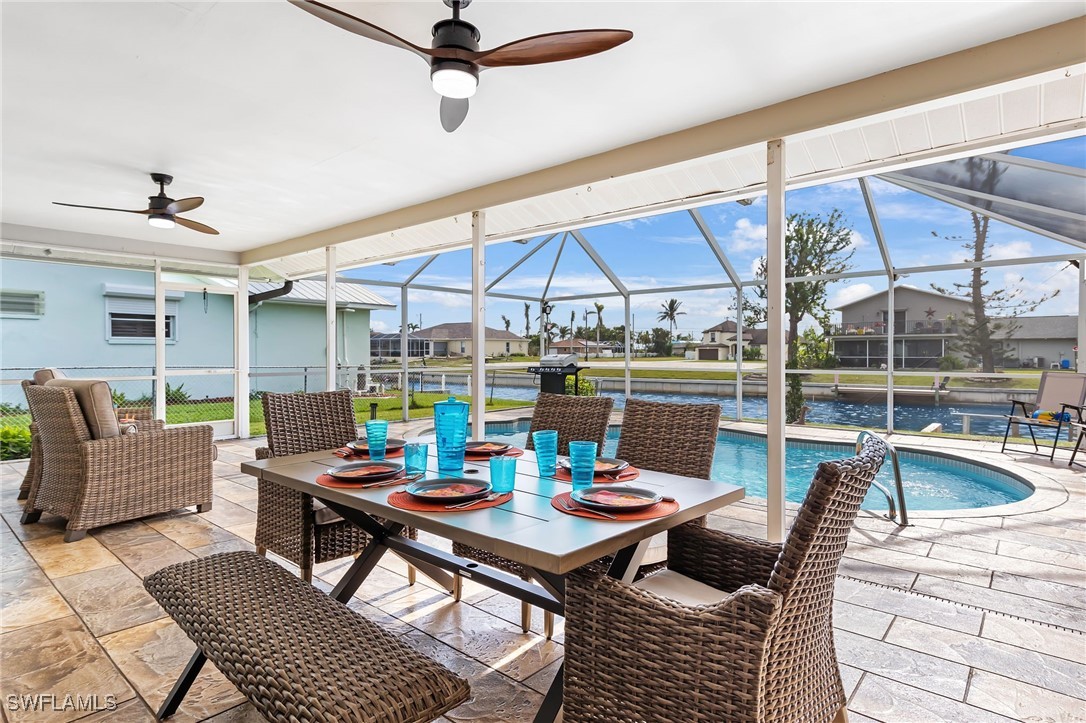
103 481
765 653
671 438
574 418
295 653
297 424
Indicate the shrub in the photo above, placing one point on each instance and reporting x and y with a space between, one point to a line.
11 409
14 442
950 363
119 398
752 353
176 395
584 388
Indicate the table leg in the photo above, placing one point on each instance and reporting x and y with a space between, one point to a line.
359 570
380 532
551 707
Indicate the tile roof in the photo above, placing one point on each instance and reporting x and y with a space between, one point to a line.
462 330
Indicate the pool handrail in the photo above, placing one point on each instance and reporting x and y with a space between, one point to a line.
892 514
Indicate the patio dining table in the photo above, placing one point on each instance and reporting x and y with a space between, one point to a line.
526 529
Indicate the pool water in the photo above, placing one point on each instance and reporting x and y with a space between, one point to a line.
931 482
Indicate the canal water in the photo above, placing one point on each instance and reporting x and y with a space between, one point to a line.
907 417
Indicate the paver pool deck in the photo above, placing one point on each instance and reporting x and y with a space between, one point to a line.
977 616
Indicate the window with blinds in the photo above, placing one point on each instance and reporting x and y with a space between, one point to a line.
22 304
132 319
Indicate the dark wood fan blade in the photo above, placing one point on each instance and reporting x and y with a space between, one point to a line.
182 205
195 225
552 47
103 208
359 27
453 112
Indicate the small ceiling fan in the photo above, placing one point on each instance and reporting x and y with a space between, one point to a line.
162 211
454 56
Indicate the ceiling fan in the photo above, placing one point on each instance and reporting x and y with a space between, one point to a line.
454 56
162 211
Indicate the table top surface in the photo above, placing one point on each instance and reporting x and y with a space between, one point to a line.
527 529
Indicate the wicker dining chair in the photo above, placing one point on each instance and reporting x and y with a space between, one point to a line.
95 473
736 629
574 418
292 524
675 439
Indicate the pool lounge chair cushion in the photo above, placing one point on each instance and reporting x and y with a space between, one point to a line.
47 374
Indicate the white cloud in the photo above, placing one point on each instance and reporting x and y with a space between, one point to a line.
1011 250
445 299
849 293
857 240
747 236
379 326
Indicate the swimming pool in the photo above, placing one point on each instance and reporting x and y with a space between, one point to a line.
931 482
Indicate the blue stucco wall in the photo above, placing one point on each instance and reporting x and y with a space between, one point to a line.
73 332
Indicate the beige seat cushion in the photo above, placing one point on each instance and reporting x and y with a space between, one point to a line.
43 375
96 403
324 515
680 588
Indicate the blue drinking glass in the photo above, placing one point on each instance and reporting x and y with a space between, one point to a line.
582 462
414 457
451 424
376 437
503 472
546 451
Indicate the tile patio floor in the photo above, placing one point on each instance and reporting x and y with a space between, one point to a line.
979 619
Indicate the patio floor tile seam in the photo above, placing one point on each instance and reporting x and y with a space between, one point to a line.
967 606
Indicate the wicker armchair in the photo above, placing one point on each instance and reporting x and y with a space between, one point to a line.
142 417
575 418
95 482
292 524
736 629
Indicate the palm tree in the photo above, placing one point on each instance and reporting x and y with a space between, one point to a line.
599 314
527 320
564 332
505 319
670 314
411 326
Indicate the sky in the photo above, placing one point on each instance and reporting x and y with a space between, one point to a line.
668 250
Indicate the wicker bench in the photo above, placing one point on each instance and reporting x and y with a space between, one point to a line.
294 652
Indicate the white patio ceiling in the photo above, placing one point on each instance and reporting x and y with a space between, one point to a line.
298 134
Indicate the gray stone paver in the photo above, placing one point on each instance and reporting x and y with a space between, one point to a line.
939 644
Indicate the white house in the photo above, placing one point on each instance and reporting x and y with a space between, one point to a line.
99 322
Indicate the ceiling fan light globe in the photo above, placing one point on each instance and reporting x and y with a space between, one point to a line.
454 82
160 220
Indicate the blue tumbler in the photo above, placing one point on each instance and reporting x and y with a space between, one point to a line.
451 423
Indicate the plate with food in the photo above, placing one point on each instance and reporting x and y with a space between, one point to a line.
365 472
604 465
489 448
362 446
616 499
447 491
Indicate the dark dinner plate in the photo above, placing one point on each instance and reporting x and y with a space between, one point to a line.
343 472
391 445
484 447
449 490
616 499
614 465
